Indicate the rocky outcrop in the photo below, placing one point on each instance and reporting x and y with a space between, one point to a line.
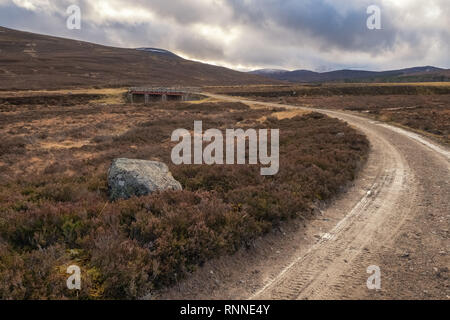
131 177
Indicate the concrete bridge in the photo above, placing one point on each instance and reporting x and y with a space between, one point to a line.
151 94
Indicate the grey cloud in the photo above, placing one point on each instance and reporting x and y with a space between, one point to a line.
287 33
318 20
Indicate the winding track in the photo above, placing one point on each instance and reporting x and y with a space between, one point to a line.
408 178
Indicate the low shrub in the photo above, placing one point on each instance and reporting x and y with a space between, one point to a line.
128 248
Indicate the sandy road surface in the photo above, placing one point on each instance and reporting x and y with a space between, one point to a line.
396 216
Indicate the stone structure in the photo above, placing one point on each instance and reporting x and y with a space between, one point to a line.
149 94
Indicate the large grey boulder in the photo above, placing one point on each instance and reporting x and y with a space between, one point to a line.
130 177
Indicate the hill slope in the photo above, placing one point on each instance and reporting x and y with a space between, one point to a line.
416 74
32 61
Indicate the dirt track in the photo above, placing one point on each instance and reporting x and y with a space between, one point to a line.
395 216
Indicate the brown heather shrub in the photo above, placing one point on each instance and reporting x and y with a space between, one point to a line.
12 145
435 121
39 274
128 248
60 100
125 268
195 227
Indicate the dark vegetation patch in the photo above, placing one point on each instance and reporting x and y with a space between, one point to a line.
435 121
333 90
51 100
429 114
13 145
54 211
422 108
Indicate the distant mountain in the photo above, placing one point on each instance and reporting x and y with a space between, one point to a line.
263 72
158 51
416 74
33 61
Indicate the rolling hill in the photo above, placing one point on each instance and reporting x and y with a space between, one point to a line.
416 74
33 61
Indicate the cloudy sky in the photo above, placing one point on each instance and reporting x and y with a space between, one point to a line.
319 35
